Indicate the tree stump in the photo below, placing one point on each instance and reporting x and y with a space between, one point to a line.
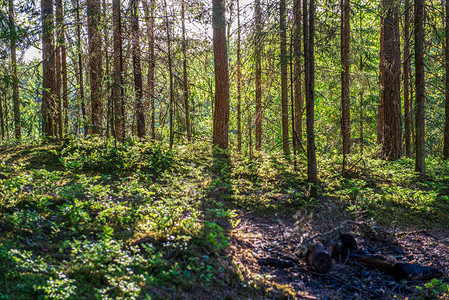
318 258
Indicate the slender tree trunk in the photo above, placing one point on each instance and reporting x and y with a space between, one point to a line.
149 16
392 147
138 86
446 56
239 82
258 61
65 80
184 65
250 133
117 78
107 75
2 120
221 112
380 113
292 97
420 146
93 17
284 79
7 113
406 67
15 79
170 68
59 75
309 51
80 67
345 103
48 65
299 99
361 108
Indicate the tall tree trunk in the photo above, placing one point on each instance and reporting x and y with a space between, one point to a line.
2 120
309 52
446 56
65 81
299 99
406 68
117 78
93 17
361 108
345 103
59 75
420 146
258 61
239 82
392 147
284 79
15 79
380 112
149 17
221 112
170 68
80 67
107 75
138 86
292 97
184 65
48 66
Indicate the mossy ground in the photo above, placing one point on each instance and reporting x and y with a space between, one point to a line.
83 218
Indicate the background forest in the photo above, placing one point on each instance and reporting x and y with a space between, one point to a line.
157 149
169 34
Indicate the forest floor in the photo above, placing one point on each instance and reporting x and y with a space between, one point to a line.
84 219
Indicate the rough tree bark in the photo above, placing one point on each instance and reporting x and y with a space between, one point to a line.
117 77
48 66
309 52
392 146
2 120
406 68
345 104
149 18
59 71
80 68
170 69
239 82
138 86
299 99
15 79
446 56
420 146
284 78
93 20
380 112
107 73
185 77
258 59
221 112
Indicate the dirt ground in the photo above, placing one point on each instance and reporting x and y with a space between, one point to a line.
256 238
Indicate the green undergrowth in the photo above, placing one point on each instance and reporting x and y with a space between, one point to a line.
85 219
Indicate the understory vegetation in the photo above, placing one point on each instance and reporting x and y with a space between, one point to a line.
85 218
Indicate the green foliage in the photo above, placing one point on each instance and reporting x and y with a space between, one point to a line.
119 231
92 155
435 288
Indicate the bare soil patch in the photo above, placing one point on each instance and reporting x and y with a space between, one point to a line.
257 238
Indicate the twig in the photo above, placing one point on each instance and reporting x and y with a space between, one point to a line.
332 231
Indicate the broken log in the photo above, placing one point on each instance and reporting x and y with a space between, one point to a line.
276 263
318 258
409 271
378 262
399 270
348 241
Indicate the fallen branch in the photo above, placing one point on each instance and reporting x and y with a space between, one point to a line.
332 231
